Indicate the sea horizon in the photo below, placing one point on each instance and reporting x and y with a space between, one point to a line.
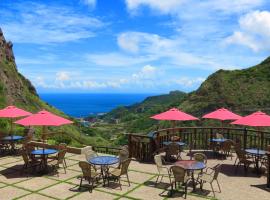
85 104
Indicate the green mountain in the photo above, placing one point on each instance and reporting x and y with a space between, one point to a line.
242 91
135 118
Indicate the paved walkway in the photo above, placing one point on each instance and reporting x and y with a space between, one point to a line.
14 185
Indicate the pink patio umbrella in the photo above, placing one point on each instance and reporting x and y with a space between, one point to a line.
12 112
222 114
174 115
43 118
257 119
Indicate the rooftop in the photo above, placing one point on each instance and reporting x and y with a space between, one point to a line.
15 185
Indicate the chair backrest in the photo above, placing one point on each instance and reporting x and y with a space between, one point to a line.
61 156
62 146
227 145
216 171
179 173
241 154
200 157
86 169
172 149
123 155
158 161
219 136
90 154
124 166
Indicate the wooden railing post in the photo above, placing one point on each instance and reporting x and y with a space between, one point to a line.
130 149
268 170
245 138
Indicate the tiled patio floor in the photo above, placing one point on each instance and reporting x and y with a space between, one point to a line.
14 185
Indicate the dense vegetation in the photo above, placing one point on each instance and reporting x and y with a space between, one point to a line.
242 91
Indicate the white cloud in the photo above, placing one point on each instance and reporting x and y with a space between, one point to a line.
189 81
178 6
146 73
62 76
254 31
90 3
41 24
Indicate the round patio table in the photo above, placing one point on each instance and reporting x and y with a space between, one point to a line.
179 143
104 162
191 165
257 154
218 140
11 140
44 155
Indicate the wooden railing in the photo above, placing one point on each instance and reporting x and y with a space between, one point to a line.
106 150
144 147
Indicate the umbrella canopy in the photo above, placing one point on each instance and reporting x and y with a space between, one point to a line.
13 112
43 118
174 115
222 114
257 119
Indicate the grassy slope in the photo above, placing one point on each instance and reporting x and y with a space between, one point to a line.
17 90
243 91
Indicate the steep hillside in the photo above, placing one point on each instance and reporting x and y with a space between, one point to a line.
16 90
243 91
135 118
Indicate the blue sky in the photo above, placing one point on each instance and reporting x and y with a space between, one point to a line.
133 46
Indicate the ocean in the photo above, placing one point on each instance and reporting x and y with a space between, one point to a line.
82 105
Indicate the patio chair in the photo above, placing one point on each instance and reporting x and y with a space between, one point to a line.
90 154
28 162
60 160
123 170
173 151
219 136
89 174
243 160
200 157
210 177
226 148
162 170
179 176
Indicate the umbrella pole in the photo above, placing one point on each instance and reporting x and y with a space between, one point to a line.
11 127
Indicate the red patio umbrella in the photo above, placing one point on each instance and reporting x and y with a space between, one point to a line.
222 114
174 115
13 112
43 118
257 119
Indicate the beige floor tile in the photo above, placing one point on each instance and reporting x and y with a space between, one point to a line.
71 162
114 187
142 167
138 177
60 191
146 193
13 178
78 157
94 195
36 183
64 176
8 193
75 167
35 197
9 160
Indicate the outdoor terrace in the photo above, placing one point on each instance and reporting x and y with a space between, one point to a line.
14 185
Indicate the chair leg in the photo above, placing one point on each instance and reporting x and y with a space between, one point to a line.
213 190
218 186
157 179
185 191
161 178
128 180
119 183
80 183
